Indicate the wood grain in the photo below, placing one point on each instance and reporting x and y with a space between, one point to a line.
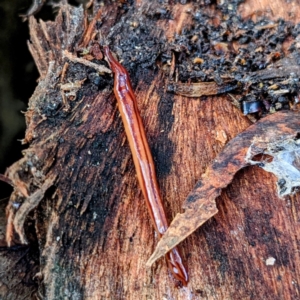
93 228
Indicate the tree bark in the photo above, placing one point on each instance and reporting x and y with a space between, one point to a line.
92 225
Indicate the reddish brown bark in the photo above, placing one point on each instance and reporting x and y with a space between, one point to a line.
92 225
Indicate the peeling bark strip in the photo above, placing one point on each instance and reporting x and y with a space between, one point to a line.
275 135
30 203
196 90
47 40
30 179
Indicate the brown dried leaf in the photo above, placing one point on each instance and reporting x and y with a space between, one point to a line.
275 135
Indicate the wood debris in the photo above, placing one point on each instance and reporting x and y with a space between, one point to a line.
101 69
199 89
276 135
29 204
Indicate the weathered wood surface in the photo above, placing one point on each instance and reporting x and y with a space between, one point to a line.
93 228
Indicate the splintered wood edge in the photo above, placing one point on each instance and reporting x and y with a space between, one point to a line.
201 204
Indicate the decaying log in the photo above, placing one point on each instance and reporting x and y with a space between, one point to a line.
273 139
92 225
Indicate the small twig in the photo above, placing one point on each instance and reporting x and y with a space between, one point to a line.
63 72
73 58
88 35
29 204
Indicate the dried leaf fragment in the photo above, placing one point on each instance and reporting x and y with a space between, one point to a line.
276 135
